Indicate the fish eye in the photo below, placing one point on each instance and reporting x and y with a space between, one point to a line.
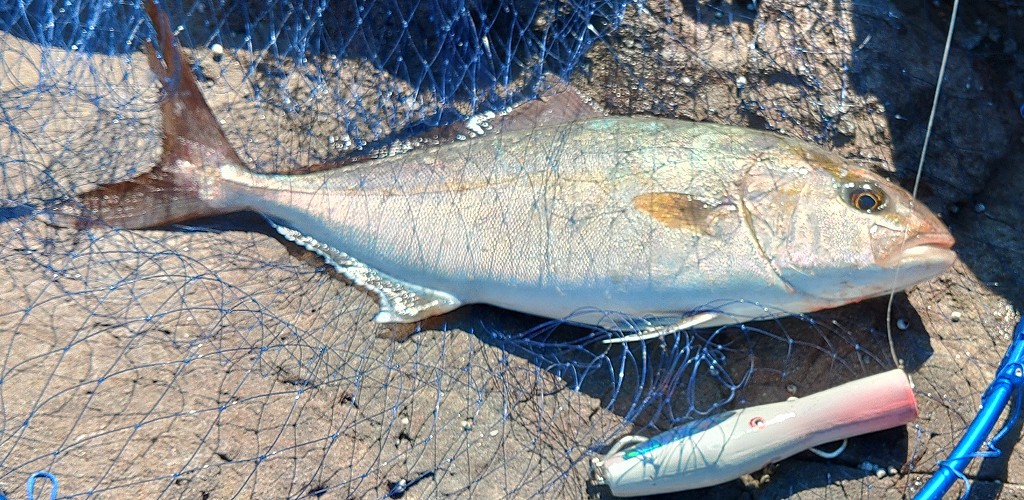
865 197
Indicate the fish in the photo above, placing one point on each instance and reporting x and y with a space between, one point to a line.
560 211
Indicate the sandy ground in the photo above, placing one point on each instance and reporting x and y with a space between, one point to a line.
217 361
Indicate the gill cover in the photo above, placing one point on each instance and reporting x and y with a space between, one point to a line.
836 232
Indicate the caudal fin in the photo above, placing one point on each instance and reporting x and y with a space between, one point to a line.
183 184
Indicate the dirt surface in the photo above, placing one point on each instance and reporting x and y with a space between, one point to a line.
217 360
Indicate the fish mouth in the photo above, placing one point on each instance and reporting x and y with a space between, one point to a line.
926 250
940 240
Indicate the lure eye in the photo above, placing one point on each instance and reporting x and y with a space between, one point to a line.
757 423
867 198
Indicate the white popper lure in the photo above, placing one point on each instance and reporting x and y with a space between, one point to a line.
723 447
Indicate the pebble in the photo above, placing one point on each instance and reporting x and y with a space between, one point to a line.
218 51
902 324
979 207
955 316
846 127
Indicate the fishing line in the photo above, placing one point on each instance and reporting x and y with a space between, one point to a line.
917 178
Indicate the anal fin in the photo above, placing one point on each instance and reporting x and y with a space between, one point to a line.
656 331
400 301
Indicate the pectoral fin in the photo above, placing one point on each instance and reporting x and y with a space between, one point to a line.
400 302
662 330
683 211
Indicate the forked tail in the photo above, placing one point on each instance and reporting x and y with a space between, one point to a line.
184 184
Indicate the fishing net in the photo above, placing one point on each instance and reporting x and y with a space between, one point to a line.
214 359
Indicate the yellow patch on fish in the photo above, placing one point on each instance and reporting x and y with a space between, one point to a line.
680 211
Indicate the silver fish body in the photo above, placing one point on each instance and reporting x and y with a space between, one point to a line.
661 223
553 220
541 221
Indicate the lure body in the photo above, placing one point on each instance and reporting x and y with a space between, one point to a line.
723 447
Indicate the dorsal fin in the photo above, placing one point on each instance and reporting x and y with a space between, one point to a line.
560 103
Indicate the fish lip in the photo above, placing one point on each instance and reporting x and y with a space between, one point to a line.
926 248
942 240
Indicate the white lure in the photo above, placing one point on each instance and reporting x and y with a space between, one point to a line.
723 447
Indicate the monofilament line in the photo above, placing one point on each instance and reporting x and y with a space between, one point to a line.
920 169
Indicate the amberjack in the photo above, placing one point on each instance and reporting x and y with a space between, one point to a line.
559 209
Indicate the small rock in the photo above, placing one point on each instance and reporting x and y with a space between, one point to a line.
902 324
846 127
955 316
218 51
980 207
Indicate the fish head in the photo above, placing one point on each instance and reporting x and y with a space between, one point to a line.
837 233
